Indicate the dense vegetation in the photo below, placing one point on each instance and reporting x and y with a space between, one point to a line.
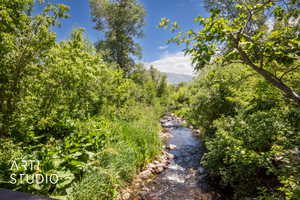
250 132
245 98
63 104
89 114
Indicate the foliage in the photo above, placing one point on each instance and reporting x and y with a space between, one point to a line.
152 84
68 88
243 37
24 40
260 143
64 105
120 30
100 184
112 150
250 133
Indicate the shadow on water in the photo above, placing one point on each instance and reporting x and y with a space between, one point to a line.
185 178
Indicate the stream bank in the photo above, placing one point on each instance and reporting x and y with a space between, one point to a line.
177 174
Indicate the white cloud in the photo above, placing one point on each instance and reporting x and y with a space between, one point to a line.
173 63
163 47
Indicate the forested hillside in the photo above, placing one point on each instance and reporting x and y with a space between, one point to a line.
80 119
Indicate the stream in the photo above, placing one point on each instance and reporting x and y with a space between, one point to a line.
184 178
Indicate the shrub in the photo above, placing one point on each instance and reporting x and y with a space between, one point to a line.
250 132
253 151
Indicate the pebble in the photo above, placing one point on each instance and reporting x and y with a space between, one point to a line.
159 169
151 165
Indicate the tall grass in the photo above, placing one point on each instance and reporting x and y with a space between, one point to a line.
97 157
135 143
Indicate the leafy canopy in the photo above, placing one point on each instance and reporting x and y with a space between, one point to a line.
271 50
121 20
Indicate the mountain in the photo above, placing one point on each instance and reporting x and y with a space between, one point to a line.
174 78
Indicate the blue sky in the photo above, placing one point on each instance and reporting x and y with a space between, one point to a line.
155 50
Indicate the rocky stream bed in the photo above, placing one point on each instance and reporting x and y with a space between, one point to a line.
177 174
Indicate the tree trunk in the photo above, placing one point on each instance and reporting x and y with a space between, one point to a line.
270 77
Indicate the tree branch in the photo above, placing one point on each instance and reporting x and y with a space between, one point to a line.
285 73
266 74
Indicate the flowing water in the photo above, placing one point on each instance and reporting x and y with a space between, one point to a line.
185 178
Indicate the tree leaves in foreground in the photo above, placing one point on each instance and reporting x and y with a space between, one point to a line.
251 134
272 50
242 51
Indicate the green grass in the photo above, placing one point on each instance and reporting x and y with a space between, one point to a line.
136 144
99 154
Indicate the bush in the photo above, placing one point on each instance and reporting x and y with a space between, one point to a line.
247 153
251 133
135 144
113 150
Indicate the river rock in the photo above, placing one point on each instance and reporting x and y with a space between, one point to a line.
201 170
145 174
182 178
158 169
169 156
171 146
151 165
203 176
126 196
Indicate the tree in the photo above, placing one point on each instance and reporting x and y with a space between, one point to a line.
274 53
228 9
162 86
24 40
122 22
225 6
